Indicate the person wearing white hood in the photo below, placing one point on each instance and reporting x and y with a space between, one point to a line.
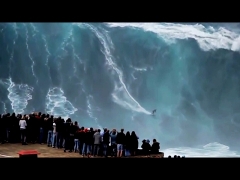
54 137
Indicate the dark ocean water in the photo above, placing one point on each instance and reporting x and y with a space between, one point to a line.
114 75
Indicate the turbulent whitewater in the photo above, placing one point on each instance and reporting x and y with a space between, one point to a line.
114 74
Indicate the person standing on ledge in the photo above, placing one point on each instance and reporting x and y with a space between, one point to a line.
97 142
155 147
120 140
106 141
23 125
113 135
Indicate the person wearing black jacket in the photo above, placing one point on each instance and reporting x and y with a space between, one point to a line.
155 147
18 118
92 132
80 137
45 131
146 147
134 143
127 144
76 140
57 121
30 129
41 128
68 131
120 140
15 128
84 140
106 141
49 126
88 143
36 126
2 130
60 132
8 127
67 135
71 136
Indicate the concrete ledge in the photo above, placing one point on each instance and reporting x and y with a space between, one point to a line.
9 150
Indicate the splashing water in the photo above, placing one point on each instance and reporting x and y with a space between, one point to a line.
19 95
57 104
90 111
209 150
208 38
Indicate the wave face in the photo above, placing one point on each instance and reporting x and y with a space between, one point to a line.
115 74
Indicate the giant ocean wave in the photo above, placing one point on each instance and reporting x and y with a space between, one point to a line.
115 74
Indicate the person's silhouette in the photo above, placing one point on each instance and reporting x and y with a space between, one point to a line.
154 111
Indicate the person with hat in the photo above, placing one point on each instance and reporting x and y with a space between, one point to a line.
146 147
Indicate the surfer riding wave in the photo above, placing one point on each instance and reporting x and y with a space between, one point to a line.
154 111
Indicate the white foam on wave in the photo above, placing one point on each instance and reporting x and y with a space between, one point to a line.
69 43
236 45
208 38
136 69
120 94
15 28
57 104
90 110
139 69
210 150
19 95
47 57
29 51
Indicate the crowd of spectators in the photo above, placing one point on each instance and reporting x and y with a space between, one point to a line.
69 136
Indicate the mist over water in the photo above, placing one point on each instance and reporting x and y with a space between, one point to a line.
114 74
